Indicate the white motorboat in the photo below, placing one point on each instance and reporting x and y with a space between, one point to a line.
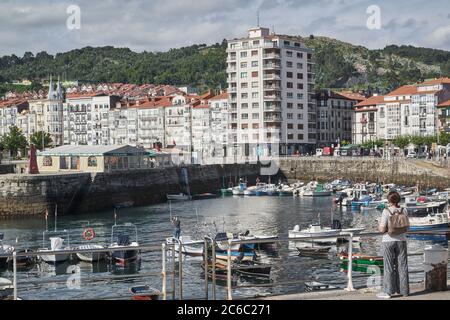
126 256
91 257
178 197
239 190
436 221
56 244
189 246
316 231
314 189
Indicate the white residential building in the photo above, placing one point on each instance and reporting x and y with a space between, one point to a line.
270 82
219 127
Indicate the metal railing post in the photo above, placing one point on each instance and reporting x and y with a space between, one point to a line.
163 272
214 269
205 259
350 264
15 274
229 293
180 269
173 272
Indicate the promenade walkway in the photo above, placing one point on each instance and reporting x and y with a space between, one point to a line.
417 293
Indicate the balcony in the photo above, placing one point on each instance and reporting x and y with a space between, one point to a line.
272 108
273 119
231 69
272 66
232 89
272 98
272 88
271 56
271 77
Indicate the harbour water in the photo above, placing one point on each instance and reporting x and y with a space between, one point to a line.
259 215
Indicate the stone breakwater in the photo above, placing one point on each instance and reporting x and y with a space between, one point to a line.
398 171
29 195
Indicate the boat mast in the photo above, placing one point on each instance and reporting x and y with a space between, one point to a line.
115 216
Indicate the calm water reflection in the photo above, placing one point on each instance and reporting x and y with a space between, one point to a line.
260 215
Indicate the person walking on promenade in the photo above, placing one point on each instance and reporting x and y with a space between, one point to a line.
394 224
177 224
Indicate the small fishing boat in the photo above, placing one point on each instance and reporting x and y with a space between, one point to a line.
144 293
236 255
6 288
239 190
314 251
226 192
429 222
252 269
250 191
124 257
189 246
178 197
56 244
23 260
318 286
91 257
362 259
316 231
204 196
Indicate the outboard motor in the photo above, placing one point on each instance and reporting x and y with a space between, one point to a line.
337 225
297 228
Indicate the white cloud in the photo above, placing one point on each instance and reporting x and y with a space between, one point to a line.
156 25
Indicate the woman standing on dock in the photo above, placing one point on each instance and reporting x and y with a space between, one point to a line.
394 224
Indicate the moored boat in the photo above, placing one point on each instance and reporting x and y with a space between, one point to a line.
91 257
128 255
178 197
189 246
4 250
144 293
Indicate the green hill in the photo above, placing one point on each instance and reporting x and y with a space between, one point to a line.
339 65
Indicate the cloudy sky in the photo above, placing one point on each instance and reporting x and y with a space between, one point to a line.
158 25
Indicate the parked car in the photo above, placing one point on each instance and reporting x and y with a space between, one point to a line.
411 154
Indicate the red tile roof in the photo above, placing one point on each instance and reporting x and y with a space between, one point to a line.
436 81
404 90
372 101
222 96
351 95
444 104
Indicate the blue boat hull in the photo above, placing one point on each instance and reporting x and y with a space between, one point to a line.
431 227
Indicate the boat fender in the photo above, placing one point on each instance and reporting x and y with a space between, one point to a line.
89 234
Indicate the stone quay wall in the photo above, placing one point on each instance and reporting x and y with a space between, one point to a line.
399 171
30 195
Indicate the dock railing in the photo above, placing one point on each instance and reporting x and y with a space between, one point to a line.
163 274
348 236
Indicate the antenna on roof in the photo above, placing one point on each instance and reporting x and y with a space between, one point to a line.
257 18
273 29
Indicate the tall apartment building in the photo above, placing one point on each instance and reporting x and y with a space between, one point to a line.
334 116
10 111
270 85
86 118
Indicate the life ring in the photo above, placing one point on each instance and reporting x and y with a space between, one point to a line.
89 234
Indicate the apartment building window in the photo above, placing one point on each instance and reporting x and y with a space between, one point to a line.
255 84
255 95
290 95
244 85
243 64
289 64
255 52
300 116
244 116
255 116
243 75
289 54
290 136
290 85
244 106
244 95
255 74
300 126
300 106
244 54
245 44
289 75
290 105
290 116
255 105
299 55
255 126
290 126
256 42
254 64
300 76
244 126
300 86
300 96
